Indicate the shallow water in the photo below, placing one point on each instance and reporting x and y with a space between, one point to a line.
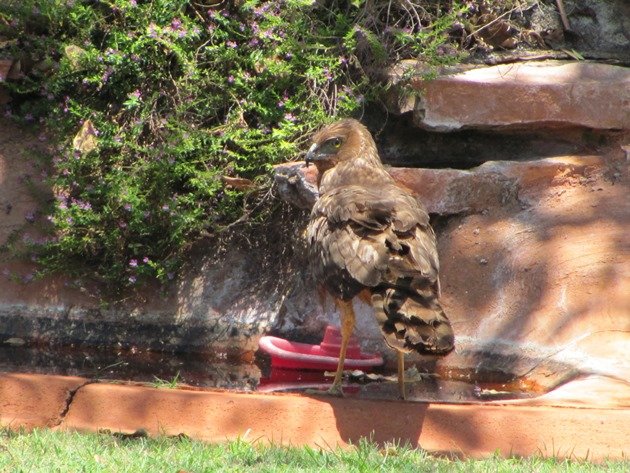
253 372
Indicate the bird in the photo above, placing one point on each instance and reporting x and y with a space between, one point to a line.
369 237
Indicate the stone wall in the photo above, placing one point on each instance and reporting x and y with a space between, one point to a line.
534 248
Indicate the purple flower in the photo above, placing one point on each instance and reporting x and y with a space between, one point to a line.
133 3
230 79
260 11
231 44
132 279
127 207
153 31
165 207
135 94
290 117
83 205
145 260
133 263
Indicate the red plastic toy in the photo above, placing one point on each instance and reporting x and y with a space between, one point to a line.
325 356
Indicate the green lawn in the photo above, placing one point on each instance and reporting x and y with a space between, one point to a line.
47 451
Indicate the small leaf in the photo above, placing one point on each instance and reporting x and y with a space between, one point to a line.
574 54
74 55
237 183
85 141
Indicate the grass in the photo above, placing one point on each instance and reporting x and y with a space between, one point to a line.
166 384
48 451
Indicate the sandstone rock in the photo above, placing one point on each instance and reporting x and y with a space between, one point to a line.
599 26
454 191
525 95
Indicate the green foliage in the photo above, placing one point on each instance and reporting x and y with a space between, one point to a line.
151 104
163 383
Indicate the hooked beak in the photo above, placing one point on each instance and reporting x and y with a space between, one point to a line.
310 155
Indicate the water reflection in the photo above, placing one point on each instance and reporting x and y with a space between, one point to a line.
249 373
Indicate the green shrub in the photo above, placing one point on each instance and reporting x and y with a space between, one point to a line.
152 105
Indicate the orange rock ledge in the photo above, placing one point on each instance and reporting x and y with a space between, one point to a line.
470 430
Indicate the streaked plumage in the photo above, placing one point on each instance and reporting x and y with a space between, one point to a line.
367 236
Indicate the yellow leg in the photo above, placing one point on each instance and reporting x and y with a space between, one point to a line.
347 326
401 374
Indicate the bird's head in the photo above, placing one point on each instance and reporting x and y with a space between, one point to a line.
340 141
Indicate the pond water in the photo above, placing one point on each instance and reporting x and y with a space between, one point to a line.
253 372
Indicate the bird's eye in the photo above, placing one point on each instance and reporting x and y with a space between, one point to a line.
336 142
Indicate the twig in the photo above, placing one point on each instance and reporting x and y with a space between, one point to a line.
563 15
496 19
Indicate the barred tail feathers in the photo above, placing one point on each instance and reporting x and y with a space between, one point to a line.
413 320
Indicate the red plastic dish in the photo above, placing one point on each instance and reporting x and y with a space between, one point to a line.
325 356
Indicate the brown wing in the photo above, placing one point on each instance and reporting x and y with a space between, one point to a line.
360 237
